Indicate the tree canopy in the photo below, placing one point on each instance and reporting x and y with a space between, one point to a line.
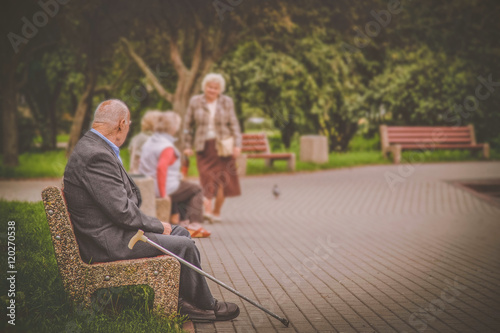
311 67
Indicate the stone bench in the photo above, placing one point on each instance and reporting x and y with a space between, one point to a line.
314 148
81 280
152 206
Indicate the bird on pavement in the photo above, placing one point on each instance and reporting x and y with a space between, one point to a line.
276 191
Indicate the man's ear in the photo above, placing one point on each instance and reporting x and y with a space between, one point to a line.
121 125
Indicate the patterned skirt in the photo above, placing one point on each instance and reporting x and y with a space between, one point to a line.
217 171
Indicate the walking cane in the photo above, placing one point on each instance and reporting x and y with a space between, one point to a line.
139 236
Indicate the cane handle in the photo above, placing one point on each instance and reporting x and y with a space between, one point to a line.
139 236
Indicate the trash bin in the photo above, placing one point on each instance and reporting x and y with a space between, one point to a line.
314 148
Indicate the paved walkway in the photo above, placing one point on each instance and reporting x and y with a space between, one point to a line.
340 251
26 190
369 249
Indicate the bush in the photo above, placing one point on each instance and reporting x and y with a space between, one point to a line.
362 143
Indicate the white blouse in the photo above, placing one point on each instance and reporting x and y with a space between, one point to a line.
211 123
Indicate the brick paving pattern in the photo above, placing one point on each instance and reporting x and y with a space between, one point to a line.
342 251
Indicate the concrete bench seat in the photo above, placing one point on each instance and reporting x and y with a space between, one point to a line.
81 280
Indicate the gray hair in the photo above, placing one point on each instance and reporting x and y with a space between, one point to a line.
111 112
149 119
168 122
214 77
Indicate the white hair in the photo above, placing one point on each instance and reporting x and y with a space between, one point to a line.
168 122
148 121
111 112
214 77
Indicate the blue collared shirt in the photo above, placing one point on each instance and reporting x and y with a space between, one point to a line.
111 144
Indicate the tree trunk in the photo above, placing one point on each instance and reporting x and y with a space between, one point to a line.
81 111
10 147
52 109
41 119
188 79
287 133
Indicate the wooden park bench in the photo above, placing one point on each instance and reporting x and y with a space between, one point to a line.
256 145
81 280
394 139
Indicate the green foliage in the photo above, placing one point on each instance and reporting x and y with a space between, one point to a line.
361 143
299 64
311 90
308 81
274 83
417 86
41 302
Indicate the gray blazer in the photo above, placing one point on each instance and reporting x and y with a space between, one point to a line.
103 202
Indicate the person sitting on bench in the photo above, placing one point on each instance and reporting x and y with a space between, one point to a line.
103 202
161 161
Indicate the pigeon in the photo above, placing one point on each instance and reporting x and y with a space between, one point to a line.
276 191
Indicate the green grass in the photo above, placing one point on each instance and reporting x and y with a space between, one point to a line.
361 152
59 138
45 164
36 165
41 303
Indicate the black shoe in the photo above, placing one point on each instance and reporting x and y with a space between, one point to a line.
222 311
194 313
226 311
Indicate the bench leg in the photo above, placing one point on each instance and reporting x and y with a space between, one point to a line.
396 153
291 163
269 162
241 165
486 150
81 296
166 299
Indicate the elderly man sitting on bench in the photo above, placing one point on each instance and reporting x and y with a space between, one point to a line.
104 205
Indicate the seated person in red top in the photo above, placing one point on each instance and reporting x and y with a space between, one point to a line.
161 161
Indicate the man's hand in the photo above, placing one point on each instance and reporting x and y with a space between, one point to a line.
188 152
167 228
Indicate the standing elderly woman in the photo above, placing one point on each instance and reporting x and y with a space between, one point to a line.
211 117
160 160
135 147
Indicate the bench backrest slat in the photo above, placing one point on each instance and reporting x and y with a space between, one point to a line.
61 230
436 135
427 129
255 142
